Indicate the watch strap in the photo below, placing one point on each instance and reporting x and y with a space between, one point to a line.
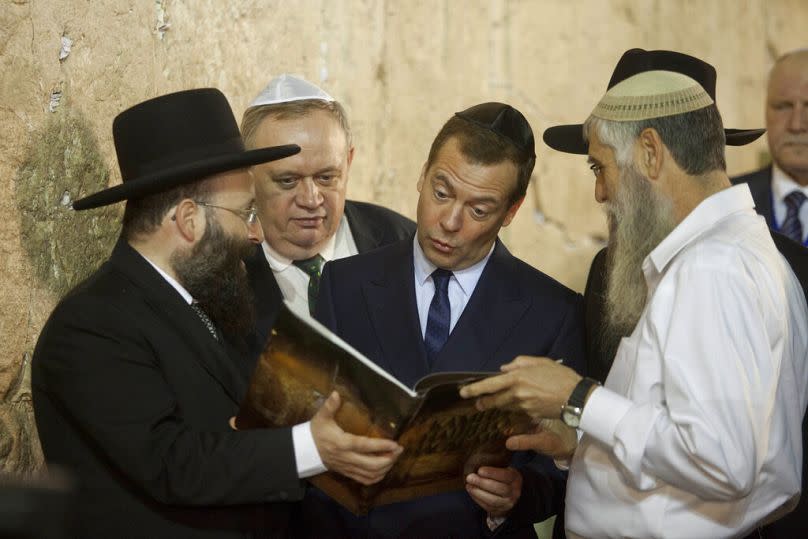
578 396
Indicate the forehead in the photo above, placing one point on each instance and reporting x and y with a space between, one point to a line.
233 184
452 164
317 128
791 74
597 150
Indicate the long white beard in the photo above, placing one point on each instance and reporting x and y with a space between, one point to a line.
639 219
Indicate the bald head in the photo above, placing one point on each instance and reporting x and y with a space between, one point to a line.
787 114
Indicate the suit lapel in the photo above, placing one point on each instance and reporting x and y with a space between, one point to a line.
171 310
493 310
366 236
268 297
390 300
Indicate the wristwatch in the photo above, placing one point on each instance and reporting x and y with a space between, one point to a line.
572 410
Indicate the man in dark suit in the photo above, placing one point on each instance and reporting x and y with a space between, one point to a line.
780 190
301 201
136 375
454 299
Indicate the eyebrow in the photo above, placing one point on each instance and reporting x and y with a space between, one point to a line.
485 199
593 161
298 174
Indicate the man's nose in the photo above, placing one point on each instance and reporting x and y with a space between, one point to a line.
308 194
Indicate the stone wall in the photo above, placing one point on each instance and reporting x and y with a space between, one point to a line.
400 67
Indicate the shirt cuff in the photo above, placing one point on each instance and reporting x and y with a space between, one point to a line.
604 409
306 455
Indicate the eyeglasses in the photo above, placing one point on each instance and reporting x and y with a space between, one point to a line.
248 216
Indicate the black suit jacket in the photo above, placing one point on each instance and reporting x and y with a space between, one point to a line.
133 395
369 300
372 226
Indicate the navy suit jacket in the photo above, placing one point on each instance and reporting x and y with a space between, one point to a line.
369 301
371 226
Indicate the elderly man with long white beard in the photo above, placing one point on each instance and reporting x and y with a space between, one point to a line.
696 431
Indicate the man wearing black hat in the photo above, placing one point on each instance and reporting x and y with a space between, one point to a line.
695 432
136 375
454 299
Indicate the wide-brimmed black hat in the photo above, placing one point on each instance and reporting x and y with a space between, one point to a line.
175 139
570 138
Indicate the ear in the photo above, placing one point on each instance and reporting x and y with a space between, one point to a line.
188 220
350 155
421 179
511 213
650 153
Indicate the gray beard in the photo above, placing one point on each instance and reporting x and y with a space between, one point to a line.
639 219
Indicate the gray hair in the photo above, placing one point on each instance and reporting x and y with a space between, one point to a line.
253 116
695 139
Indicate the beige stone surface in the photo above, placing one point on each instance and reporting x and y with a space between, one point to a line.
401 67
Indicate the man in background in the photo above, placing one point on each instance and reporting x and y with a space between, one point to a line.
453 298
780 189
301 202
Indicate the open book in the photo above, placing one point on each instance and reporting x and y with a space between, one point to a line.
444 436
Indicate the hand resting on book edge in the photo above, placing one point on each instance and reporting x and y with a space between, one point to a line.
363 459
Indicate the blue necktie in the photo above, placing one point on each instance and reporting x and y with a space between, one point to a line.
792 227
437 322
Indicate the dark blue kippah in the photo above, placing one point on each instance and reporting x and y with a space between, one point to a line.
503 120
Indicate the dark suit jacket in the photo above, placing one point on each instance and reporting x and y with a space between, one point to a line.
133 395
369 300
372 226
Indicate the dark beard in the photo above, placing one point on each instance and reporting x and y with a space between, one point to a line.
213 274
639 219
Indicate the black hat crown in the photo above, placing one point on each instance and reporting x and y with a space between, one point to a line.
176 139
569 138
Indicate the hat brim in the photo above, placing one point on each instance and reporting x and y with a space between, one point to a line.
175 176
569 138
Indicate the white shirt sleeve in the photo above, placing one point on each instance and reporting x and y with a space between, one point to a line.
706 426
306 455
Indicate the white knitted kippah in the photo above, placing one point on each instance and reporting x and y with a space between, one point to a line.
652 94
285 88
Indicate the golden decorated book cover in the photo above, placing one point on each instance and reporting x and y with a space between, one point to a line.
444 436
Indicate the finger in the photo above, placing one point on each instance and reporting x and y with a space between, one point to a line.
488 501
522 362
329 407
503 399
366 444
232 423
542 442
497 488
504 475
486 386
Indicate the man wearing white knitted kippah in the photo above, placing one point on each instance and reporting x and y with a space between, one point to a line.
302 207
696 431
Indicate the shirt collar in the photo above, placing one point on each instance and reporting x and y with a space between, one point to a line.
171 280
467 278
783 184
278 262
710 211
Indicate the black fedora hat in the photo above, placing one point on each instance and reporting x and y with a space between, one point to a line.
569 138
176 139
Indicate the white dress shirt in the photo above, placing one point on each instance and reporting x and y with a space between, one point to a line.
306 456
461 285
697 431
293 281
782 186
